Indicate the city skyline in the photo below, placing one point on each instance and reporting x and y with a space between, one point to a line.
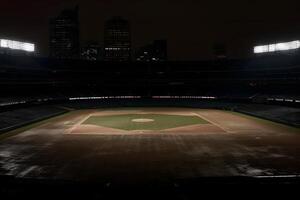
191 28
64 40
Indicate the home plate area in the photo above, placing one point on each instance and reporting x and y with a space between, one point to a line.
142 120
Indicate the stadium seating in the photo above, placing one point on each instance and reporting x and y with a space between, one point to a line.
281 114
13 119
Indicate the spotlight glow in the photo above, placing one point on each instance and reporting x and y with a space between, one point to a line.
16 45
284 46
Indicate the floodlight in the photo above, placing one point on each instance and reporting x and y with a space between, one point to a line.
16 45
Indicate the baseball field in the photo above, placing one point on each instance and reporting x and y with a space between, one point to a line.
140 144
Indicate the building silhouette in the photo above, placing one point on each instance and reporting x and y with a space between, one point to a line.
117 40
160 50
92 51
157 51
220 51
64 35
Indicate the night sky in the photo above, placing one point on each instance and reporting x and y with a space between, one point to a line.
190 26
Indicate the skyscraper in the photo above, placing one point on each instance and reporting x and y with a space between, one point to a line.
160 50
64 35
117 40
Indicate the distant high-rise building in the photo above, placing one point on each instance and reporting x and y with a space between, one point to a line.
64 35
92 51
157 51
117 40
160 50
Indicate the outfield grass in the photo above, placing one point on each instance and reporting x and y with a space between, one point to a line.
161 122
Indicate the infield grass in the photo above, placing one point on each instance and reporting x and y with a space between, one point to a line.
160 121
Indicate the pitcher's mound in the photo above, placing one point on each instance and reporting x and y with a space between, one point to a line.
142 120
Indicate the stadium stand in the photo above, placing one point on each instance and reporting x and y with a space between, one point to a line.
10 120
281 114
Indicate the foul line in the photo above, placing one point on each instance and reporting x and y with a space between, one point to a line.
78 123
211 122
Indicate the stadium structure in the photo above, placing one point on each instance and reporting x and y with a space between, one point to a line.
171 126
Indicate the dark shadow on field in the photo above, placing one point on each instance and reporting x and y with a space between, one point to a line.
196 188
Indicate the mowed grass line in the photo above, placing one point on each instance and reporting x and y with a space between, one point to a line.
161 122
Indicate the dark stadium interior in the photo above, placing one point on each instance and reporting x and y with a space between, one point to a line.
32 88
177 100
262 76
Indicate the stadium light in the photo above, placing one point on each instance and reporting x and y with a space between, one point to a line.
16 45
284 46
261 49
